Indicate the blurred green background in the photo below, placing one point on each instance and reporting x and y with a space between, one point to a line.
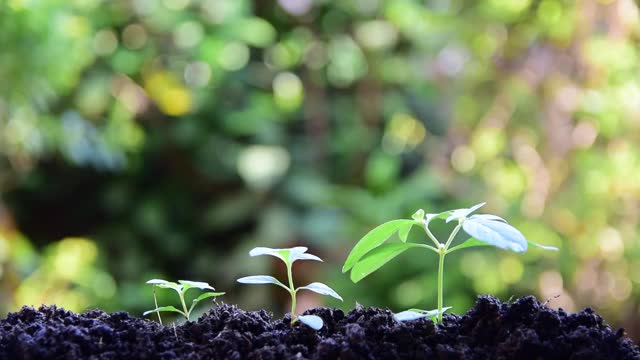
166 138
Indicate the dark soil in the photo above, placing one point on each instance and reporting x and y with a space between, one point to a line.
525 329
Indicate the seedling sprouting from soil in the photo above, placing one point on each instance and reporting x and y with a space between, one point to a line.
181 288
369 254
289 256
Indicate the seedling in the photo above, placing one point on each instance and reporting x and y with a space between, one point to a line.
369 254
181 288
289 256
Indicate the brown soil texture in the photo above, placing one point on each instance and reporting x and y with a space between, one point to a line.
524 329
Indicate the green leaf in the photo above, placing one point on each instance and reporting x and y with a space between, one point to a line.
378 257
321 289
403 232
164 308
372 240
418 215
261 279
195 284
463 213
496 233
470 242
312 321
164 284
207 295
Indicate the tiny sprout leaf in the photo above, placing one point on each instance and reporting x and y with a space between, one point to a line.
321 289
372 240
261 279
496 233
376 258
312 321
463 213
418 215
163 308
195 284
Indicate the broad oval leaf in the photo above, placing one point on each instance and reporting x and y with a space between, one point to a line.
372 240
376 258
312 321
261 250
261 279
321 289
496 233
195 284
164 284
163 308
463 213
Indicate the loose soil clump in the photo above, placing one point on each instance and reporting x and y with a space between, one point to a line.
524 329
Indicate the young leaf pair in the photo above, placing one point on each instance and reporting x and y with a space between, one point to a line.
369 254
289 256
181 288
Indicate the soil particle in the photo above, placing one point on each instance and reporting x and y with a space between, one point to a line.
524 329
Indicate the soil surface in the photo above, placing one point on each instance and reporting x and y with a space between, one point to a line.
524 329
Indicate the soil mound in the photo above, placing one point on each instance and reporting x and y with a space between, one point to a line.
524 329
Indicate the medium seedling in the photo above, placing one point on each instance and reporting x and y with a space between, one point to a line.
181 288
289 256
369 254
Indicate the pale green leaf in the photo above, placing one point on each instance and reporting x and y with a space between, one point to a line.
378 257
471 242
403 232
372 240
164 308
261 279
312 321
321 289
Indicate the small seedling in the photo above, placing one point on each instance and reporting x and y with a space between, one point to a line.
369 254
181 288
289 256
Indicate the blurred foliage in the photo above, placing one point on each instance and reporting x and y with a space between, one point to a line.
166 138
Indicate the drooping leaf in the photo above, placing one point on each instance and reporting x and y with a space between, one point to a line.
463 213
260 250
302 256
187 284
207 295
164 308
470 242
496 233
157 282
164 284
312 321
321 289
487 217
376 258
261 279
372 240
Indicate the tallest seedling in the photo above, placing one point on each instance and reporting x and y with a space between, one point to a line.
370 254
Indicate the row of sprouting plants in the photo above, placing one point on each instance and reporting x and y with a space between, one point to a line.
368 255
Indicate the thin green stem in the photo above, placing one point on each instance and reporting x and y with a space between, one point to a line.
155 300
184 306
440 283
453 235
430 235
292 291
